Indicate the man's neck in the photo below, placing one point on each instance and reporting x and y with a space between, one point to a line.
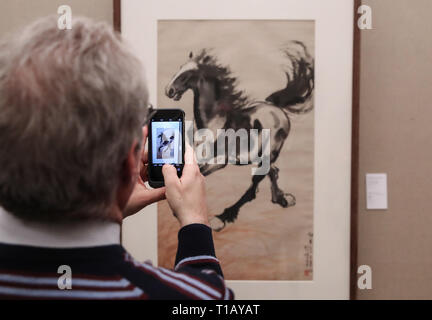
65 235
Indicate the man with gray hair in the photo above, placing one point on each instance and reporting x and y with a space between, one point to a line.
73 166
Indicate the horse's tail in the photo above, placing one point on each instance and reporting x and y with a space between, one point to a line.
297 96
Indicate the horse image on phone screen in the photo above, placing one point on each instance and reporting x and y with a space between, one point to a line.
218 104
165 143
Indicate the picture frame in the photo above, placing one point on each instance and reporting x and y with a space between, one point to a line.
335 209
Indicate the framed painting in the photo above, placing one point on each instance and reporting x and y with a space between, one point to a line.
281 65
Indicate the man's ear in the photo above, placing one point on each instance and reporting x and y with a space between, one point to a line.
132 163
128 174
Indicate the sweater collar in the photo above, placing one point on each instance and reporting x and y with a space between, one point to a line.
65 235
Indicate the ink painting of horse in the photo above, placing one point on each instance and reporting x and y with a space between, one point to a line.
221 85
216 102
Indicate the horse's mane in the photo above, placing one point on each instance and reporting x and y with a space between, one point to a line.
226 92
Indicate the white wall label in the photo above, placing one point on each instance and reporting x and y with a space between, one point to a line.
376 191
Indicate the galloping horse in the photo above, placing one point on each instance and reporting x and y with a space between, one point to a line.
219 105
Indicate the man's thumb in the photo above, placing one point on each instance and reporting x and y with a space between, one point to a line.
170 175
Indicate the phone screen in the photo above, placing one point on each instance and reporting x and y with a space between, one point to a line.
166 143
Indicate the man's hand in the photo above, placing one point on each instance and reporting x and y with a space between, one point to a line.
186 196
141 195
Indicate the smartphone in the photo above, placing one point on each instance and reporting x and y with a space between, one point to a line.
166 144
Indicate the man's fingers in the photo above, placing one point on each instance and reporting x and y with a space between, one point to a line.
144 173
154 195
189 155
190 168
170 175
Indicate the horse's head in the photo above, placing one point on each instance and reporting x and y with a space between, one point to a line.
187 77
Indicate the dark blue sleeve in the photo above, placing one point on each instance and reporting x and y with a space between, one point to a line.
196 256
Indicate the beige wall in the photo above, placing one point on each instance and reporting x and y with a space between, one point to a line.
17 13
396 138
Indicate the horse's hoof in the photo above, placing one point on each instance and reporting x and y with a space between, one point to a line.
217 224
281 201
279 198
289 201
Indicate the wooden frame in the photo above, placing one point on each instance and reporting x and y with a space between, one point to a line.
117 15
355 140
355 155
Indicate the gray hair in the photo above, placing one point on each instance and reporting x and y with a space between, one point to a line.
72 102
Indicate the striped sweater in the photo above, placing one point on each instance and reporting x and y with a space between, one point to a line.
109 272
